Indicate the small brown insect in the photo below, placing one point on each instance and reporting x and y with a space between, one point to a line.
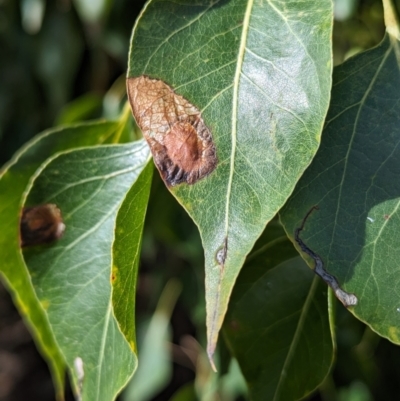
344 297
181 144
41 224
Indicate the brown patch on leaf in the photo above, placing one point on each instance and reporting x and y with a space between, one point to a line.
41 224
180 142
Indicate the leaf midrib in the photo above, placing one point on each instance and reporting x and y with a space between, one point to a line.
350 147
296 337
235 103
214 327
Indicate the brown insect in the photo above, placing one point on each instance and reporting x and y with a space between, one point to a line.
181 144
344 297
41 224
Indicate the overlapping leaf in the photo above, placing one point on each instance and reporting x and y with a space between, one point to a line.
260 74
354 180
73 276
277 324
126 253
14 180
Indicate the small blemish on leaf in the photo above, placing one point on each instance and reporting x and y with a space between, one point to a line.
114 274
234 325
41 224
220 255
394 334
181 143
386 216
133 346
45 304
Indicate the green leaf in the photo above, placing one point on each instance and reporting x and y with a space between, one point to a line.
80 109
126 253
14 179
72 277
232 384
278 310
357 391
354 180
155 370
185 393
92 11
260 74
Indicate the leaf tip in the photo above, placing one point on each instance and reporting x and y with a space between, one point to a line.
210 354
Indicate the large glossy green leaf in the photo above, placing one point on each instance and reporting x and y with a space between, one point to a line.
72 277
354 180
14 179
277 325
259 72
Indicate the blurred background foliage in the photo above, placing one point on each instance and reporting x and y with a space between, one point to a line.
63 61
